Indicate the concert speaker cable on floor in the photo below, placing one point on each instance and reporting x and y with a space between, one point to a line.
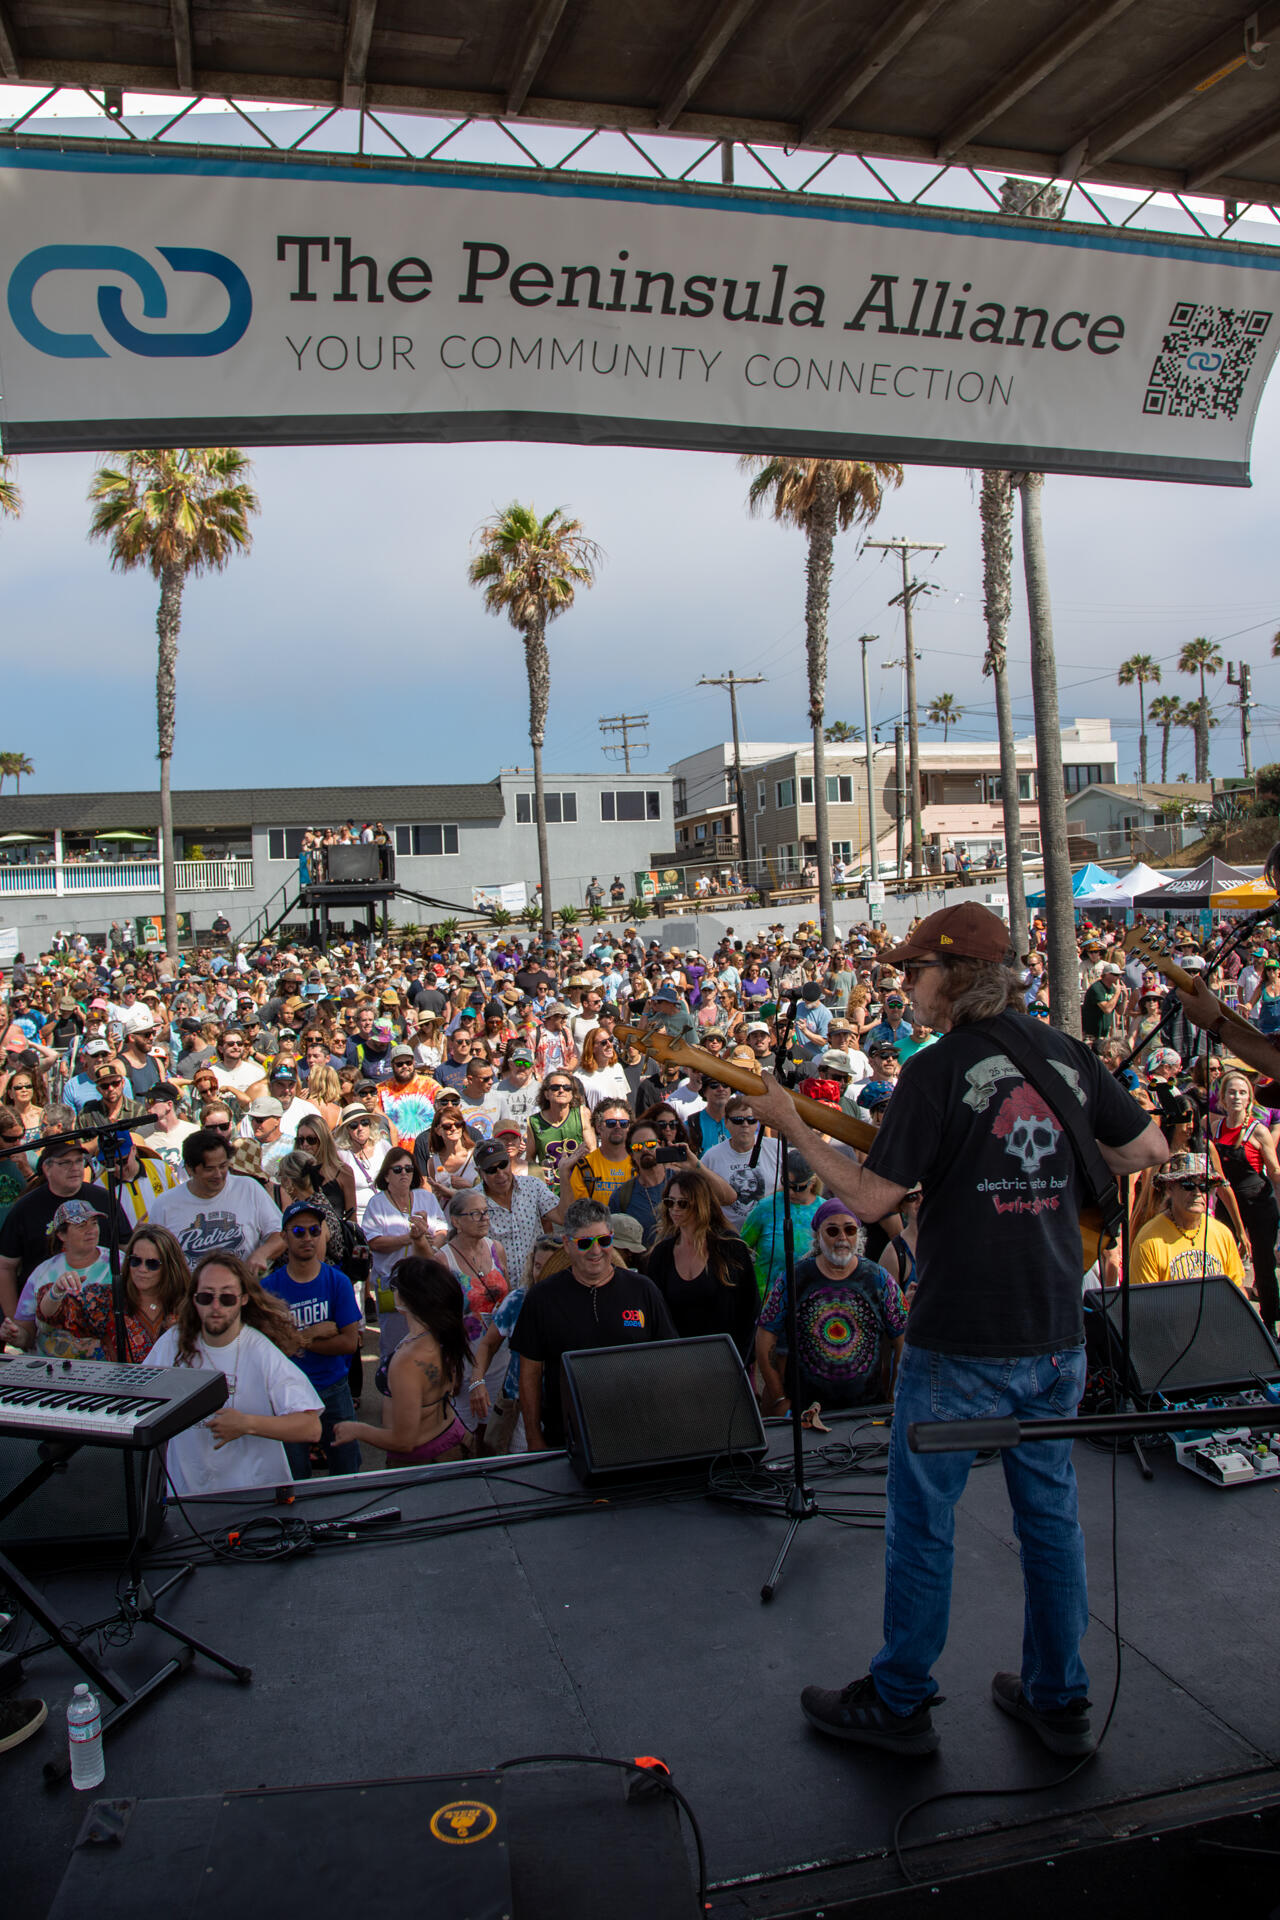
670 1406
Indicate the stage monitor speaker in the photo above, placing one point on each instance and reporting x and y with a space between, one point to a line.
82 1510
1185 1337
354 863
660 1408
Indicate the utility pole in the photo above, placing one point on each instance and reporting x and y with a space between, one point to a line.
864 641
733 681
910 589
901 777
1238 675
625 724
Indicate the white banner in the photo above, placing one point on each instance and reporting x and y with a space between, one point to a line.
513 896
173 301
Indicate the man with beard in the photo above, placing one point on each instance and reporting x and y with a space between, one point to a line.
850 1319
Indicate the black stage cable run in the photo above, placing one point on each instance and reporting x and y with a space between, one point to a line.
654 1779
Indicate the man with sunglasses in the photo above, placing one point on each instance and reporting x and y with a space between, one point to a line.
731 1160
594 1304
170 1129
996 1326
323 1304
521 1207
850 1317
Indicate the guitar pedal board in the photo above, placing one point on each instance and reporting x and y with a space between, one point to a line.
1230 1456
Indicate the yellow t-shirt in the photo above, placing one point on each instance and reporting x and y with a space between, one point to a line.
1163 1252
609 1176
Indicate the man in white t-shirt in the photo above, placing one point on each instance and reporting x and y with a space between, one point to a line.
217 1211
732 1161
170 1130
236 1068
269 1399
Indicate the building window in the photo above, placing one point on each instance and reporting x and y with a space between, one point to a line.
624 806
806 790
284 843
1076 779
788 856
700 833
561 809
425 842
760 796
786 793
995 788
840 788
679 797
842 850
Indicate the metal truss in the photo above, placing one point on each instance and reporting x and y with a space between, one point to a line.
369 137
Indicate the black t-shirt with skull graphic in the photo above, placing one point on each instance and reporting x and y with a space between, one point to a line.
999 1261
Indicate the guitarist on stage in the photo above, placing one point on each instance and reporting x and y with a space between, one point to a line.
996 1327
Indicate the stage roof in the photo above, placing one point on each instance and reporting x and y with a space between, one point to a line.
1179 95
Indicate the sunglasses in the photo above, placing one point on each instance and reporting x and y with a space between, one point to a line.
839 1233
497 1166
625 1121
353 1124
401 1166
587 1241
110 1080
217 1299
307 1233
742 1119
1190 1186
148 1261
667 1126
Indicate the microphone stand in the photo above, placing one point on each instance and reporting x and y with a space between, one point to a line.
799 1505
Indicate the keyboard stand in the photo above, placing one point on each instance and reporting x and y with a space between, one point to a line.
137 1606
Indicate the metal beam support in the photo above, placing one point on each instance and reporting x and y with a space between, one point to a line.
1256 138
730 17
1205 68
1045 58
901 27
183 58
533 52
9 67
355 57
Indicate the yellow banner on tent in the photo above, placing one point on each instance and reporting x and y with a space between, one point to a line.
1242 899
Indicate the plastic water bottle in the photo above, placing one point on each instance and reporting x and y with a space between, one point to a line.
84 1734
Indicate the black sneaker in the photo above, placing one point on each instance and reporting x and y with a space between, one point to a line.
1064 1730
858 1713
19 1719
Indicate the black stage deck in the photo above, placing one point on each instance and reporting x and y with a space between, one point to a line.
640 1631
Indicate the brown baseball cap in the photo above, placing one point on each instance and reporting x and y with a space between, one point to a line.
969 932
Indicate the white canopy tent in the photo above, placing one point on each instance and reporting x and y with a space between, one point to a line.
1123 892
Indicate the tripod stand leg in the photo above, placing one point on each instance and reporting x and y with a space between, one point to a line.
153 1619
770 1586
1144 1465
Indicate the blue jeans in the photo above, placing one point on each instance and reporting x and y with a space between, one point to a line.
923 1489
338 1405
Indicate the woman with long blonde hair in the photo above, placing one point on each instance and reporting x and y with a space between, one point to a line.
337 1181
324 1090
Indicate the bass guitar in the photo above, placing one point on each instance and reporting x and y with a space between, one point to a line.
660 1046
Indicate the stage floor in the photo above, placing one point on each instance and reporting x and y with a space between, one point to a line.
639 1630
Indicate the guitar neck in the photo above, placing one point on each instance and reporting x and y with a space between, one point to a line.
833 1120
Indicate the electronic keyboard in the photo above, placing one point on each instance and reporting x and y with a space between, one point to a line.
105 1404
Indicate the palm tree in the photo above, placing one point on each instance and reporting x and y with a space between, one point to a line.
821 498
178 512
1140 667
1203 657
10 492
530 569
1167 714
996 510
1199 717
17 764
944 713
839 733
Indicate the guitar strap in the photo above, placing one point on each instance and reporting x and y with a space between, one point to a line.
1040 1073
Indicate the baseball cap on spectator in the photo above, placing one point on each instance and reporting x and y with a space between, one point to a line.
627 1232
1193 963
297 1207
522 1057
72 1213
92 1048
402 1053
266 1106
489 1155
666 992
1109 966
756 1026
97 1006
798 1167
282 1069
163 1090
835 1060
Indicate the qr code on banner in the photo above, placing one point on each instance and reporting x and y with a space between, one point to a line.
1205 359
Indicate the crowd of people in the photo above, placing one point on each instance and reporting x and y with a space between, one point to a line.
335 1133
494 1151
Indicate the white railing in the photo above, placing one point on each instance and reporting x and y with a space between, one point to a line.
214 876
126 876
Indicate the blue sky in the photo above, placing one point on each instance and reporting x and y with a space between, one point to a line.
348 646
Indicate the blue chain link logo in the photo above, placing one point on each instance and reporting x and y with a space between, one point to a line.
30 270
